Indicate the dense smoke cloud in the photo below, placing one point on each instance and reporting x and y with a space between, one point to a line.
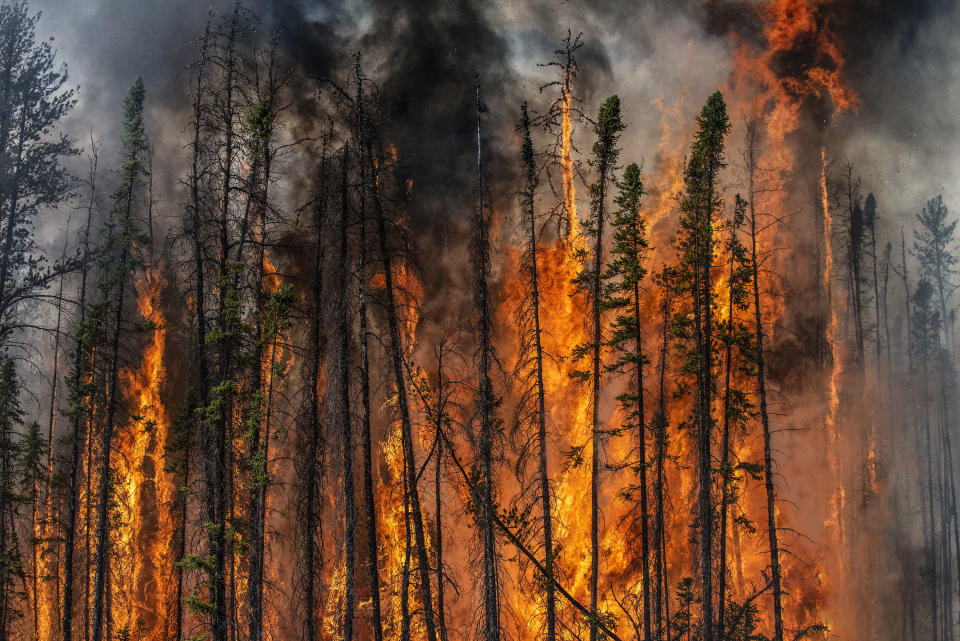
662 57
900 59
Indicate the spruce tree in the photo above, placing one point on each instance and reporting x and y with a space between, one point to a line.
761 375
623 278
533 406
258 132
12 570
933 246
700 205
665 281
487 399
120 259
33 101
30 473
80 392
413 504
738 362
589 279
311 460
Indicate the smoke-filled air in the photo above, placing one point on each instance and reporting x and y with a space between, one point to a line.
479 320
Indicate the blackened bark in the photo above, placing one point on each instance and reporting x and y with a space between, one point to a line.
79 359
773 543
491 608
396 360
531 223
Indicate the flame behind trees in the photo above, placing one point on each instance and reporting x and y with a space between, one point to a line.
468 524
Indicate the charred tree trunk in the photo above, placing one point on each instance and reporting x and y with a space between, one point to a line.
262 118
196 223
343 416
77 414
487 402
102 561
439 416
312 507
662 613
218 494
396 361
725 470
773 544
543 470
373 569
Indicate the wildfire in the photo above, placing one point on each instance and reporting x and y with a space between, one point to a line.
566 160
768 96
148 489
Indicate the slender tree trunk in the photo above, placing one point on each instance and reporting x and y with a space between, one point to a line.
182 543
953 502
344 418
314 439
78 414
88 512
373 569
51 523
102 567
931 518
410 471
596 330
439 416
704 341
258 474
405 571
199 262
725 470
218 494
774 547
491 598
260 185
642 438
543 470
663 582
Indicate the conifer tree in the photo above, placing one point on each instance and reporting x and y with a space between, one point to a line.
340 398
120 258
310 464
259 132
737 341
925 328
933 247
196 238
871 221
12 570
855 247
77 410
699 209
33 101
487 399
30 472
363 133
534 408
761 375
666 283
561 118
413 506
622 282
607 130
224 113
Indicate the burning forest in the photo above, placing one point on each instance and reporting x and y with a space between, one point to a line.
472 320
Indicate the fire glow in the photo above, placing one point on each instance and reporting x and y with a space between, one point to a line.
335 387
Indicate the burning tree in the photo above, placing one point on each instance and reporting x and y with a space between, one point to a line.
290 422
